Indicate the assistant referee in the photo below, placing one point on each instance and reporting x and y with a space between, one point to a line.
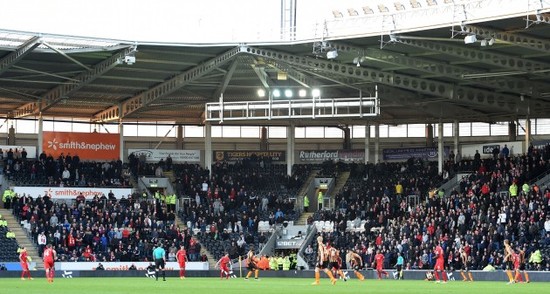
159 255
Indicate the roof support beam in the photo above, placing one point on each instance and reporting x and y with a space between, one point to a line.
141 101
537 44
15 56
437 69
519 65
63 90
467 95
226 78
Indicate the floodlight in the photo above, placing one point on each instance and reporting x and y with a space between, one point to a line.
288 93
316 93
470 39
332 54
276 93
261 93
302 93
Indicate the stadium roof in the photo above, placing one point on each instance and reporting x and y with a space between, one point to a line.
424 75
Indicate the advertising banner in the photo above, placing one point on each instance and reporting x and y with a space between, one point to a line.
338 155
417 152
486 150
180 156
71 192
240 155
123 266
31 150
88 146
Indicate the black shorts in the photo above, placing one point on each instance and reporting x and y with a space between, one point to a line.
399 267
251 266
465 267
356 267
322 265
510 265
522 266
335 265
159 263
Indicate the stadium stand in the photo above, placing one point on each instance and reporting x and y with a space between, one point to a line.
495 202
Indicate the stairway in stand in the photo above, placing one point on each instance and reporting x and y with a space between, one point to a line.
302 220
170 175
341 181
22 237
211 260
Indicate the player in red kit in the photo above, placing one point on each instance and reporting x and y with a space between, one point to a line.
379 259
181 257
439 264
224 266
49 258
23 259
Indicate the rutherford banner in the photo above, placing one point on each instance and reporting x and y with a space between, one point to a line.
417 152
155 155
333 155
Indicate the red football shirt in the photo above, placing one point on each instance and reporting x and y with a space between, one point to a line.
48 255
180 255
379 259
439 253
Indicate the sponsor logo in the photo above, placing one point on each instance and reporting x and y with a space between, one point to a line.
147 153
488 149
318 155
52 144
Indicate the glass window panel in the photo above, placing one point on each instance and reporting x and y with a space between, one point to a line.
480 129
231 131
315 132
62 126
300 132
250 132
543 126
383 129
25 126
358 131
465 129
521 127
499 129
130 130
193 132
333 132
216 131
399 131
416 130
448 130
146 130
47 126
276 132
163 129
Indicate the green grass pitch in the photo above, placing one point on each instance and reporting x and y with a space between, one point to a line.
263 286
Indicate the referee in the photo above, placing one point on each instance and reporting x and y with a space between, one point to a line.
399 266
159 255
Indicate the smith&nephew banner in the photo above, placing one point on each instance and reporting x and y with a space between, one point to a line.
88 146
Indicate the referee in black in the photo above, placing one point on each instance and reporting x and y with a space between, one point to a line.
159 255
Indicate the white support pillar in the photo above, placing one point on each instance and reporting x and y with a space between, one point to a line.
440 147
40 134
456 136
208 146
290 136
367 143
121 138
376 143
527 134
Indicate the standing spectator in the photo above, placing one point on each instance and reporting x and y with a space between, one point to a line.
42 241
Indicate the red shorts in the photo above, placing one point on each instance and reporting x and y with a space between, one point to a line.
182 264
48 264
379 268
439 266
516 266
224 269
24 266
